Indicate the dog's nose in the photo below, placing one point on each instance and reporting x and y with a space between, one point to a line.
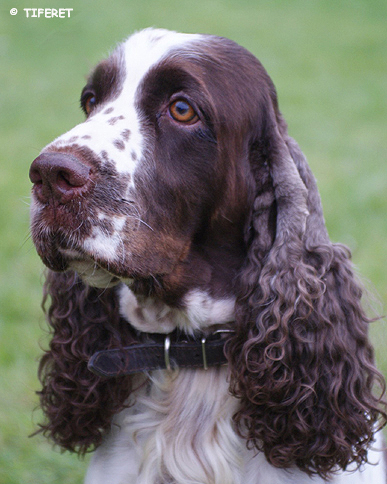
59 176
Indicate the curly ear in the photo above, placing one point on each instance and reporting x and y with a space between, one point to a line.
300 361
79 405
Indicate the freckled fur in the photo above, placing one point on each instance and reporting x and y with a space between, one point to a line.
114 120
119 144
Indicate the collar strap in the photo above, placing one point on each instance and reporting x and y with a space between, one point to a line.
162 352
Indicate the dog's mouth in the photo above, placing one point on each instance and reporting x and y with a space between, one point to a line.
61 253
93 274
104 249
60 234
92 268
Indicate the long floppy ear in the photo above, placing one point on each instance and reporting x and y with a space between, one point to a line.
79 405
300 361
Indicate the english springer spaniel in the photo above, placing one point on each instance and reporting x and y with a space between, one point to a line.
204 328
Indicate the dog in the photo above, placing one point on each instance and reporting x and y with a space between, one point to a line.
204 328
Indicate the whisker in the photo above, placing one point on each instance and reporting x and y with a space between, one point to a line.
142 221
133 203
25 200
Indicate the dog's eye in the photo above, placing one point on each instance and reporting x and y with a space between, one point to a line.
89 103
183 112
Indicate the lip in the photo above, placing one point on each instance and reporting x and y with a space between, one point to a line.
91 271
61 251
71 254
93 274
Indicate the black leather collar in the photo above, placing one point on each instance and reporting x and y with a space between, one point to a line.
161 352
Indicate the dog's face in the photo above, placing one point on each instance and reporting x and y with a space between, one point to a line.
158 168
184 187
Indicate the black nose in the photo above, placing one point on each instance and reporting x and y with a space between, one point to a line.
59 176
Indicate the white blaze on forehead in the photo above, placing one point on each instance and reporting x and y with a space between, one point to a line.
146 48
103 132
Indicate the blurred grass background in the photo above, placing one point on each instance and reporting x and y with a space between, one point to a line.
328 61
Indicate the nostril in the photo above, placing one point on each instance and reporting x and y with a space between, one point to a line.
71 177
64 182
59 175
35 177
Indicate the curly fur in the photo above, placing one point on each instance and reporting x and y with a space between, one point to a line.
301 367
79 405
301 362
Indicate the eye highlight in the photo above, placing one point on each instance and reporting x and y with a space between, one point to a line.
182 112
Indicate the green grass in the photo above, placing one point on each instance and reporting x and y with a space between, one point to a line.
327 59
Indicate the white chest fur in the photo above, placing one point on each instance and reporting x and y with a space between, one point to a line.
179 430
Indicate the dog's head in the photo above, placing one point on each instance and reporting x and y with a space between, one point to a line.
160 168
183 181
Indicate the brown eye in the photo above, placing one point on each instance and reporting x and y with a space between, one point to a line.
90 103
183 112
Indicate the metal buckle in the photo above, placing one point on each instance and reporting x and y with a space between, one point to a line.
204 355
167 345
219 331
204 339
